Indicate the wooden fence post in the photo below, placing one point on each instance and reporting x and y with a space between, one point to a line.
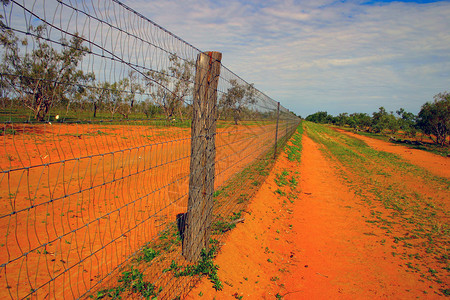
197 230
276 132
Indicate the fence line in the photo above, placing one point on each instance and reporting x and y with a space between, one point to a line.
96 108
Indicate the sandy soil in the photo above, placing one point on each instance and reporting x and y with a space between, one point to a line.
78 200
315 243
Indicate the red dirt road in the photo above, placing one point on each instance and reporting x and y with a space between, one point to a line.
313 243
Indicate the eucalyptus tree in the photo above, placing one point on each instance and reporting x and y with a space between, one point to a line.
45 75
434 118
171 87
237 99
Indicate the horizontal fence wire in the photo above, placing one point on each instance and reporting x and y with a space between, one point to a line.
95 113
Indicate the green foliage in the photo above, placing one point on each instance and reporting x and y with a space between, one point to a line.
45 75
147 254
280 192
280 179
294 151
236 216
235 101
321 117
179 75
434 118
446 292
114 293
133 281
205 266
221 226
407 122
382 121
293 182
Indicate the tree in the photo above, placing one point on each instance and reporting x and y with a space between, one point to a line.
382 120
342 119
98 94
407 122
237 99
149 108
44 75
320 117
379 120
360 121
129 88
172 86
112 96
434 118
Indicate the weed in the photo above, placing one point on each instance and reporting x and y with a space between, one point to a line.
217 193
280 179
237 296
293 182
147 255
236 216
294 151
280 192
205 266
274 278
432 271
132 280
220 227
113 293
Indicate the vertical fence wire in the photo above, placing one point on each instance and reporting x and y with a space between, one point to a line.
96 110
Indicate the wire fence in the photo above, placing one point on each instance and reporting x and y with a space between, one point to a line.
96 109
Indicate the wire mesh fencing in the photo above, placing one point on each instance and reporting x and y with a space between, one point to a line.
97 110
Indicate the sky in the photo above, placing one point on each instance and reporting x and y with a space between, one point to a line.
322 55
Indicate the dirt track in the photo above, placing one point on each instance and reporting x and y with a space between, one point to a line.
320 241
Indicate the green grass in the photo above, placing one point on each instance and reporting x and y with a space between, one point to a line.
205 266
294 150
281 179
133 281
426 146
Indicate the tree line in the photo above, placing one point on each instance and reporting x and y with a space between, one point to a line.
433 120
49 77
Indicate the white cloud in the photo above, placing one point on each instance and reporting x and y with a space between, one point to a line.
321 55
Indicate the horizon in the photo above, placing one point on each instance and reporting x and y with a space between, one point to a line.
346 56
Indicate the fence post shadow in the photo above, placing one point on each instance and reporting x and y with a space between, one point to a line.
181 223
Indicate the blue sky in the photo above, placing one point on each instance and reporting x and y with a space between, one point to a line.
311 55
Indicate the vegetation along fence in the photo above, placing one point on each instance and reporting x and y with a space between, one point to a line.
125 151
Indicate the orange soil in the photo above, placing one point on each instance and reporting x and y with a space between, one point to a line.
438 165
78 200
319 246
